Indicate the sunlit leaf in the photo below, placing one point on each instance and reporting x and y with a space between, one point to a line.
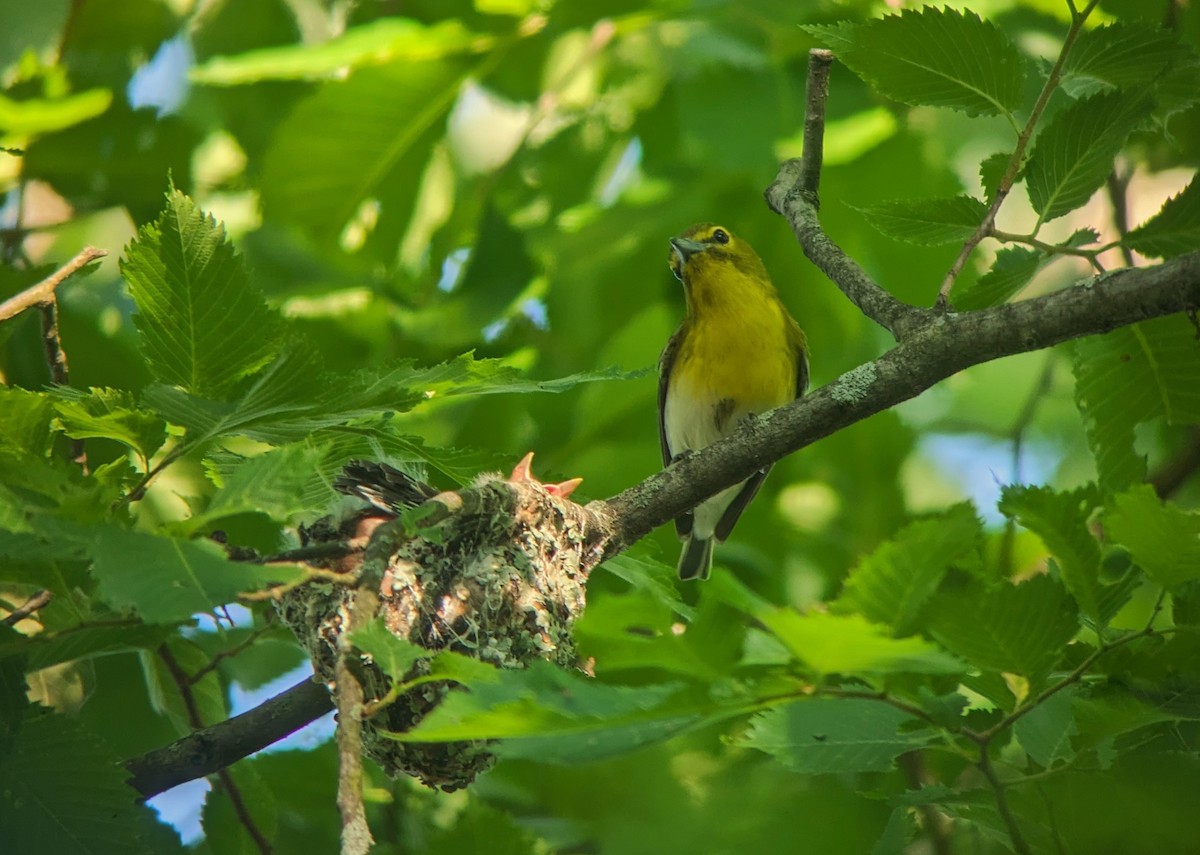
47 115
387 40
203 326
109 414
939 57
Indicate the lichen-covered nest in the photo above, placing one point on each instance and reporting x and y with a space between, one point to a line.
502 579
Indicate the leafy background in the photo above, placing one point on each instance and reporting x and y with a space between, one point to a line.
357 195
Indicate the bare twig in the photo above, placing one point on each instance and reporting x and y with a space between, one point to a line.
43 292
1020 846
37 601
1118 196
1176 471
221 656
1018 155
794 195
184 685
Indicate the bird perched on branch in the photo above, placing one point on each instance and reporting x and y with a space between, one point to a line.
737 354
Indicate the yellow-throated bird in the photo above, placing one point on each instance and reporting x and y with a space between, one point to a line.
737 353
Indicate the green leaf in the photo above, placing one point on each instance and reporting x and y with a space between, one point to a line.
357 139
837 644
991 172
1045 731
928 222
62 791
938 57
481 826
1060 519
1021 629
1013 268
1073 155
1122 55
24 422
1163 539
1174 230
891 584
109 414
1129 376
834 735
85 642
164 579
202 326
392 654
385 41
48 115
552 715
272 484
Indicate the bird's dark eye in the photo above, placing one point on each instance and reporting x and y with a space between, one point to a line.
720 236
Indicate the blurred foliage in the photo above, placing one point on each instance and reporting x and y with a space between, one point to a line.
435 234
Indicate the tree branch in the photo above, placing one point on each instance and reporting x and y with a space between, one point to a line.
212 748
940 347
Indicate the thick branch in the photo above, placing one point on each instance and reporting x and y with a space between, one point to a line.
931 353
213 748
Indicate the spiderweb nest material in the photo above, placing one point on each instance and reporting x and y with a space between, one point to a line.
497 572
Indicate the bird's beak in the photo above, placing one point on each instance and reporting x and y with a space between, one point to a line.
685 248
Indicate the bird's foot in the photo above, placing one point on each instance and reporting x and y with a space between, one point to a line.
522 474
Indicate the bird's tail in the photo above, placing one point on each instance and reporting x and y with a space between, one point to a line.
696 560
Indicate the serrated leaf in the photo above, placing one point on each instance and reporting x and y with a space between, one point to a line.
387 40
353 140
272 484
71 643
25 422
1013 268
109 414
1174 230
394 655
285 403
62 791
1122 54
991 172
165 579
552 715
201 324
1045 731
1020 629
891 584
837 644
1129 376
1073 155
937 57
834 735
1163 539
928 222
1060 519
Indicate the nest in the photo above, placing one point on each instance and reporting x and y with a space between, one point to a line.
502 580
